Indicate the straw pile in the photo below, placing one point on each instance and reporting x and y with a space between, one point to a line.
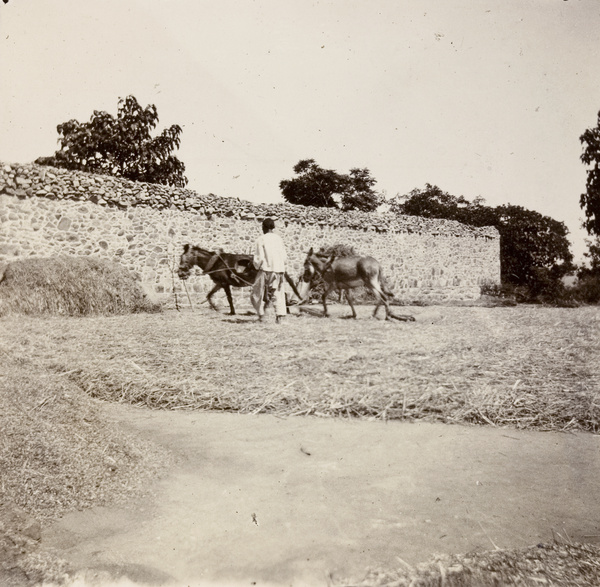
71 286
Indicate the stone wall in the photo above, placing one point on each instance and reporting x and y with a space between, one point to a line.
46 211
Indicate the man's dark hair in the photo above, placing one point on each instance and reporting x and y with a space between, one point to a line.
268 224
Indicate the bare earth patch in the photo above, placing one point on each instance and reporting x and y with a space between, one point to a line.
312 501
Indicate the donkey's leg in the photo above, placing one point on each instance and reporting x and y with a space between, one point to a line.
381 301
378 291
212 292
324 300
379 304
229 299
350 300
388 313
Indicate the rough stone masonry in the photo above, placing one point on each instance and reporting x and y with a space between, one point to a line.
46 211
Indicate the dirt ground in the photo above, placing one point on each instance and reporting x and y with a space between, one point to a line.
262 500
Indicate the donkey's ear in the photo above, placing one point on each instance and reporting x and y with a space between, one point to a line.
329 261
310 252
186 248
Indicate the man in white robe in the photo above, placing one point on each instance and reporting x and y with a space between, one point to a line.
269 258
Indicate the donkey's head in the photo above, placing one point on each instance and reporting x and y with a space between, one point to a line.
194 256
316 263
186 262
309 269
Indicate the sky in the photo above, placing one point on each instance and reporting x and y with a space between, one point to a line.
483 98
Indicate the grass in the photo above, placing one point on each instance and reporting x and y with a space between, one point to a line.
71 286
525 367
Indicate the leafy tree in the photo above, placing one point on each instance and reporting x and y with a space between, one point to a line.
121 146
359 193
590 201
432 202
533 248
316 186
587 289
593 258
529 243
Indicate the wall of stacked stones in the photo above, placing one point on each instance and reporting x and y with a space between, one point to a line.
46 211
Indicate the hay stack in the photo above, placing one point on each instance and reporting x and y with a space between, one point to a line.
71 286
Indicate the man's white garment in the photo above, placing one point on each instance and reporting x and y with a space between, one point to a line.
269 253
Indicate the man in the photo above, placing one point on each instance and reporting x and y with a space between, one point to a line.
269 258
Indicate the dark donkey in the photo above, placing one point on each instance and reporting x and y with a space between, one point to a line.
227 270
346 273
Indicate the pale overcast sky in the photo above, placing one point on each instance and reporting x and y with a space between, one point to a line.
480 97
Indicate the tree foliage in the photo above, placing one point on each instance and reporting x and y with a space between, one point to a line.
315 186
359 193
432 202
532 246
121 146
587 289
590 201
592 255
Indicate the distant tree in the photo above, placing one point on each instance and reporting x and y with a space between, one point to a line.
359 193
587 289
121 146
531 245
590 201
592 267
432 202
316 186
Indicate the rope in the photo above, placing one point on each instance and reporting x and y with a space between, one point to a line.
227 268
188 295
213 260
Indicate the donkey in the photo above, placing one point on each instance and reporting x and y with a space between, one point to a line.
346 273
227 270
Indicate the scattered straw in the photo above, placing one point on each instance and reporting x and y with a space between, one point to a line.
553 565
56 453
524 367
